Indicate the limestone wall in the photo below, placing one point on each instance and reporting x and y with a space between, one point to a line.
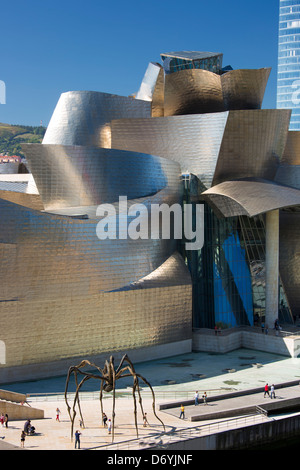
229 340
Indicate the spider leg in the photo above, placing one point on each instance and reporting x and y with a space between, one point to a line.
135 387
135 409
76 370
114 401
71 369
153 398
126 358
101 395
76 399
79 407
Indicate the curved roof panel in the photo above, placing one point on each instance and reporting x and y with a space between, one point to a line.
70 176
250 197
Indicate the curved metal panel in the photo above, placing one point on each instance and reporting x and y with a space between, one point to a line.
193 141
172 272
83 117
236 198
215 147
59 254
291 154
84 176
244 88
253 143
193 91
152 89
197 91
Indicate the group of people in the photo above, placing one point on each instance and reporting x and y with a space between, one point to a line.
269 391
107 423
28 430
197 398
4 420
204 398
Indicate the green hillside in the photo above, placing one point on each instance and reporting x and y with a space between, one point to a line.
12 136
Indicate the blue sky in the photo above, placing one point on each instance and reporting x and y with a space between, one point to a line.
48 48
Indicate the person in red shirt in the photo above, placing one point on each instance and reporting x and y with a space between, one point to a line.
266 390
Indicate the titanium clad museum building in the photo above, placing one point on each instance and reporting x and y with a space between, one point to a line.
194 135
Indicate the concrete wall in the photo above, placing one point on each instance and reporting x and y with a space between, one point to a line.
60 368
243 438
17 412
229 340
12 396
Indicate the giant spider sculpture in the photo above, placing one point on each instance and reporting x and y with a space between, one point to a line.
108 377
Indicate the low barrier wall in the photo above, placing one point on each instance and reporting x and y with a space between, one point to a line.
206 340
253 436
19 412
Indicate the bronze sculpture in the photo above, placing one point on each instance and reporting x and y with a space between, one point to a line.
108 377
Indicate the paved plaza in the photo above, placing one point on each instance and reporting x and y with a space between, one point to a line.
173 379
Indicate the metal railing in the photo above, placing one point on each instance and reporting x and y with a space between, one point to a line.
170 395
163 440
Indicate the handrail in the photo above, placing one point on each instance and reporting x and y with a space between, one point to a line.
181 434
121 393
261 410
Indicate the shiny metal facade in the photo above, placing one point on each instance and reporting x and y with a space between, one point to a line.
237 198
71 176
244 89
102 295
83 117
288 172
215 147
253 144
70 294
152 89
197 91
193 91
187 140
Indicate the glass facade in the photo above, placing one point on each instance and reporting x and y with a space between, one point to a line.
221 277
210 62
228 273
252 232
288 76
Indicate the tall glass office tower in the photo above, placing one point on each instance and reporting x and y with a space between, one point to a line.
288 77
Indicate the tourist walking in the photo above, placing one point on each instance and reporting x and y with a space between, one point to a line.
204 396
145 420
6 420
273 391
196 398
23 434
109 426
182 415
77 439
57 414
266 392
104 419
